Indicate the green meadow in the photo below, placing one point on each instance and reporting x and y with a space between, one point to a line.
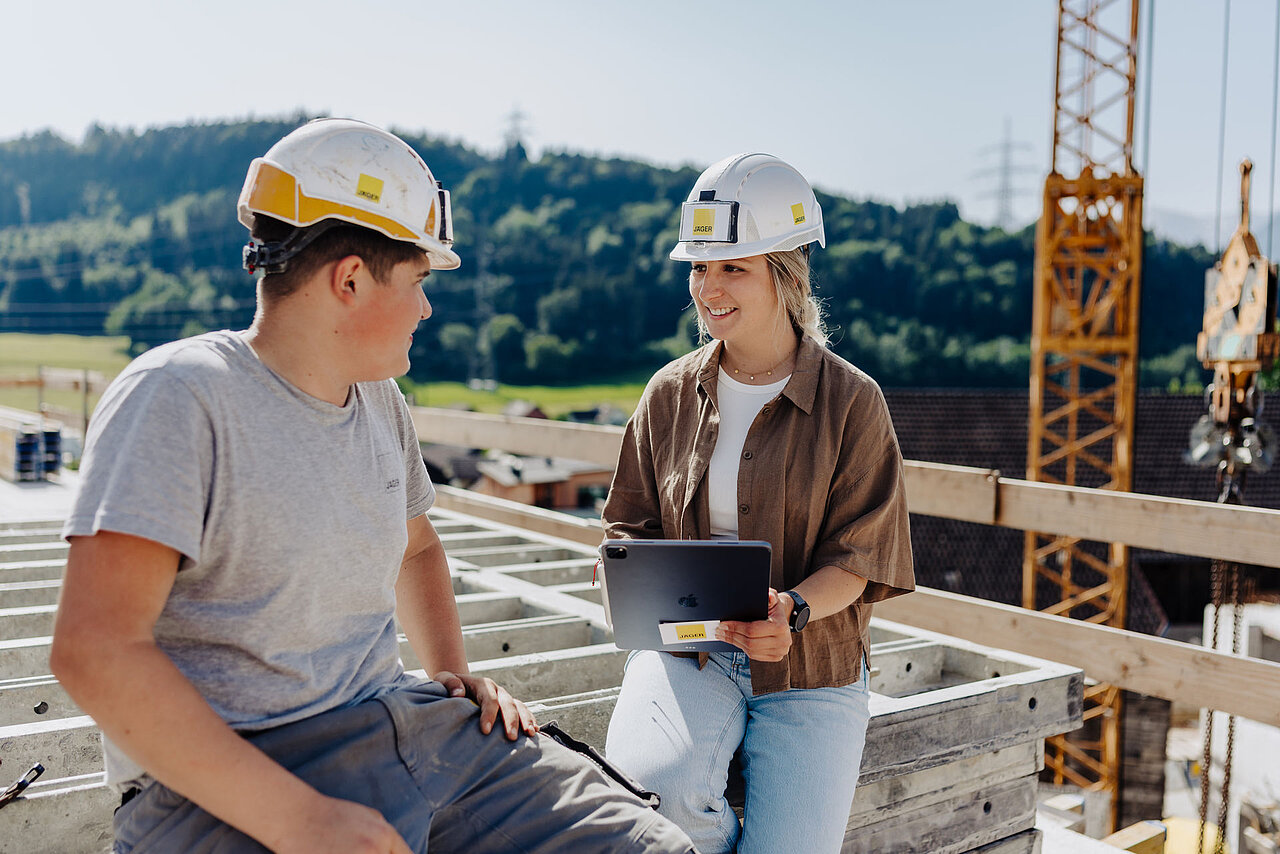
21 355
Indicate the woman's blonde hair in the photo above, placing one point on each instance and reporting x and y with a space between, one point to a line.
790 274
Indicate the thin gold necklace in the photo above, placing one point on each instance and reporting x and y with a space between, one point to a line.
767 373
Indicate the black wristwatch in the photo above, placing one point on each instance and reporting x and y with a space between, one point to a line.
800 613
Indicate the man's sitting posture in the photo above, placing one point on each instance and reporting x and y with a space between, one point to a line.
252 519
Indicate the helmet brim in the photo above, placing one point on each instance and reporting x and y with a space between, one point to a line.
695 251
440 256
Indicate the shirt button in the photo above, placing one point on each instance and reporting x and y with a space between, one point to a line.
746 455
743 509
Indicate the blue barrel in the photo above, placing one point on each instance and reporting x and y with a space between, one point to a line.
28 457
52 452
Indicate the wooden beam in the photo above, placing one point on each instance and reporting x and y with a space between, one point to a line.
1202 528
953 492
1176 671
539 437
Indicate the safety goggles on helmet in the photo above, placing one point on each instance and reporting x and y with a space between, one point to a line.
444 233
709 221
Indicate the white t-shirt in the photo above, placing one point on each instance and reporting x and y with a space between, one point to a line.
739 405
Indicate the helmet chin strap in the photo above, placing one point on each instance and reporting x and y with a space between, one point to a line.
273 257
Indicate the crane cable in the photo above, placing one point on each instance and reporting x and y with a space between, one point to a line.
1220 572
1275 104
1146 84
1222 125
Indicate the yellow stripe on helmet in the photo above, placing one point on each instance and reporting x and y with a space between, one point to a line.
275 193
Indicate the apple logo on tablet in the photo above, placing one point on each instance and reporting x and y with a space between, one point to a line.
689 601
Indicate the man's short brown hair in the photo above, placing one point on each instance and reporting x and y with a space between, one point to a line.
380 252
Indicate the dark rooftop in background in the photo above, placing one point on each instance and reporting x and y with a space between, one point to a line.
988 429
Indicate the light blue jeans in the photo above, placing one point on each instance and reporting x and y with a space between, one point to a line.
676 727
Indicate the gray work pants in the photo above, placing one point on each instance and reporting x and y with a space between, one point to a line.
420 759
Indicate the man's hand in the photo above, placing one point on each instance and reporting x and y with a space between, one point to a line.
335 826
762 640
493 700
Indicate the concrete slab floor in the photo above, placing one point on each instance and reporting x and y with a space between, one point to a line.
40 499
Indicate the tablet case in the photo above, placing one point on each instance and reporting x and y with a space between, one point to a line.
648 582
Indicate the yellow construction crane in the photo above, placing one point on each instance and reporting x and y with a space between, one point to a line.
1084 347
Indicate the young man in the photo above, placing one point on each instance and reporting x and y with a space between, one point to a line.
239 551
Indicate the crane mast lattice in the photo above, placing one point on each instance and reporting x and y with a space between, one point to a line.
1084 346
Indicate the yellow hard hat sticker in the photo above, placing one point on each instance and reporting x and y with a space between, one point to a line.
704 220
369 187
797 213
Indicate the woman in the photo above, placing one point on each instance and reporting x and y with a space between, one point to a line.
762 434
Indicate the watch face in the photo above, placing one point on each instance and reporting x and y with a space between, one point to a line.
801 618
799 613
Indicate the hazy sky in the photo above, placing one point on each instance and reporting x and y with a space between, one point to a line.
898 100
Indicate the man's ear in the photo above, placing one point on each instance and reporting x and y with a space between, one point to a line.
346 277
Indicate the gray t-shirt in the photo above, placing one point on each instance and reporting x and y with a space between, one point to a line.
289 513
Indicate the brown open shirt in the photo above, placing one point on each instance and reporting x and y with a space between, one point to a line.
820 478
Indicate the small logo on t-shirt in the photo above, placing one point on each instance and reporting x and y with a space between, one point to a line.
393 484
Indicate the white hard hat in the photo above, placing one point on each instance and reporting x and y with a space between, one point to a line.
347 171
745 205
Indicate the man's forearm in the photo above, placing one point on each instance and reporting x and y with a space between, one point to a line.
428 613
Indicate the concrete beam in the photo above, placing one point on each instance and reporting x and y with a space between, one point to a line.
556 673
33 699
479 539
31 524
65 746
62 816
25 536
32 570
513 637
20 594
33 551
26 622
498 556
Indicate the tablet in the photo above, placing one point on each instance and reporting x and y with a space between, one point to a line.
671 594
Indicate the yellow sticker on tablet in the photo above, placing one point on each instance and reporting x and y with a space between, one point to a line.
704 220
688 633
369 187
797 213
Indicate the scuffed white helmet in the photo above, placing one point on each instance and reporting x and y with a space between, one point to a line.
348 171
748 204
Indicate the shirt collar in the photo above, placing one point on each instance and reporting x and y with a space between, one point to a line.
802 388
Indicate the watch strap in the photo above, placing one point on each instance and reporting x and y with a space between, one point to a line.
799 617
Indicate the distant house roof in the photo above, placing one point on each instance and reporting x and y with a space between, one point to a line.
523 409
988 429
605 413
510 469
450 463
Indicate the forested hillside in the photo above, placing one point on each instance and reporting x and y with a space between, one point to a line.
565 275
